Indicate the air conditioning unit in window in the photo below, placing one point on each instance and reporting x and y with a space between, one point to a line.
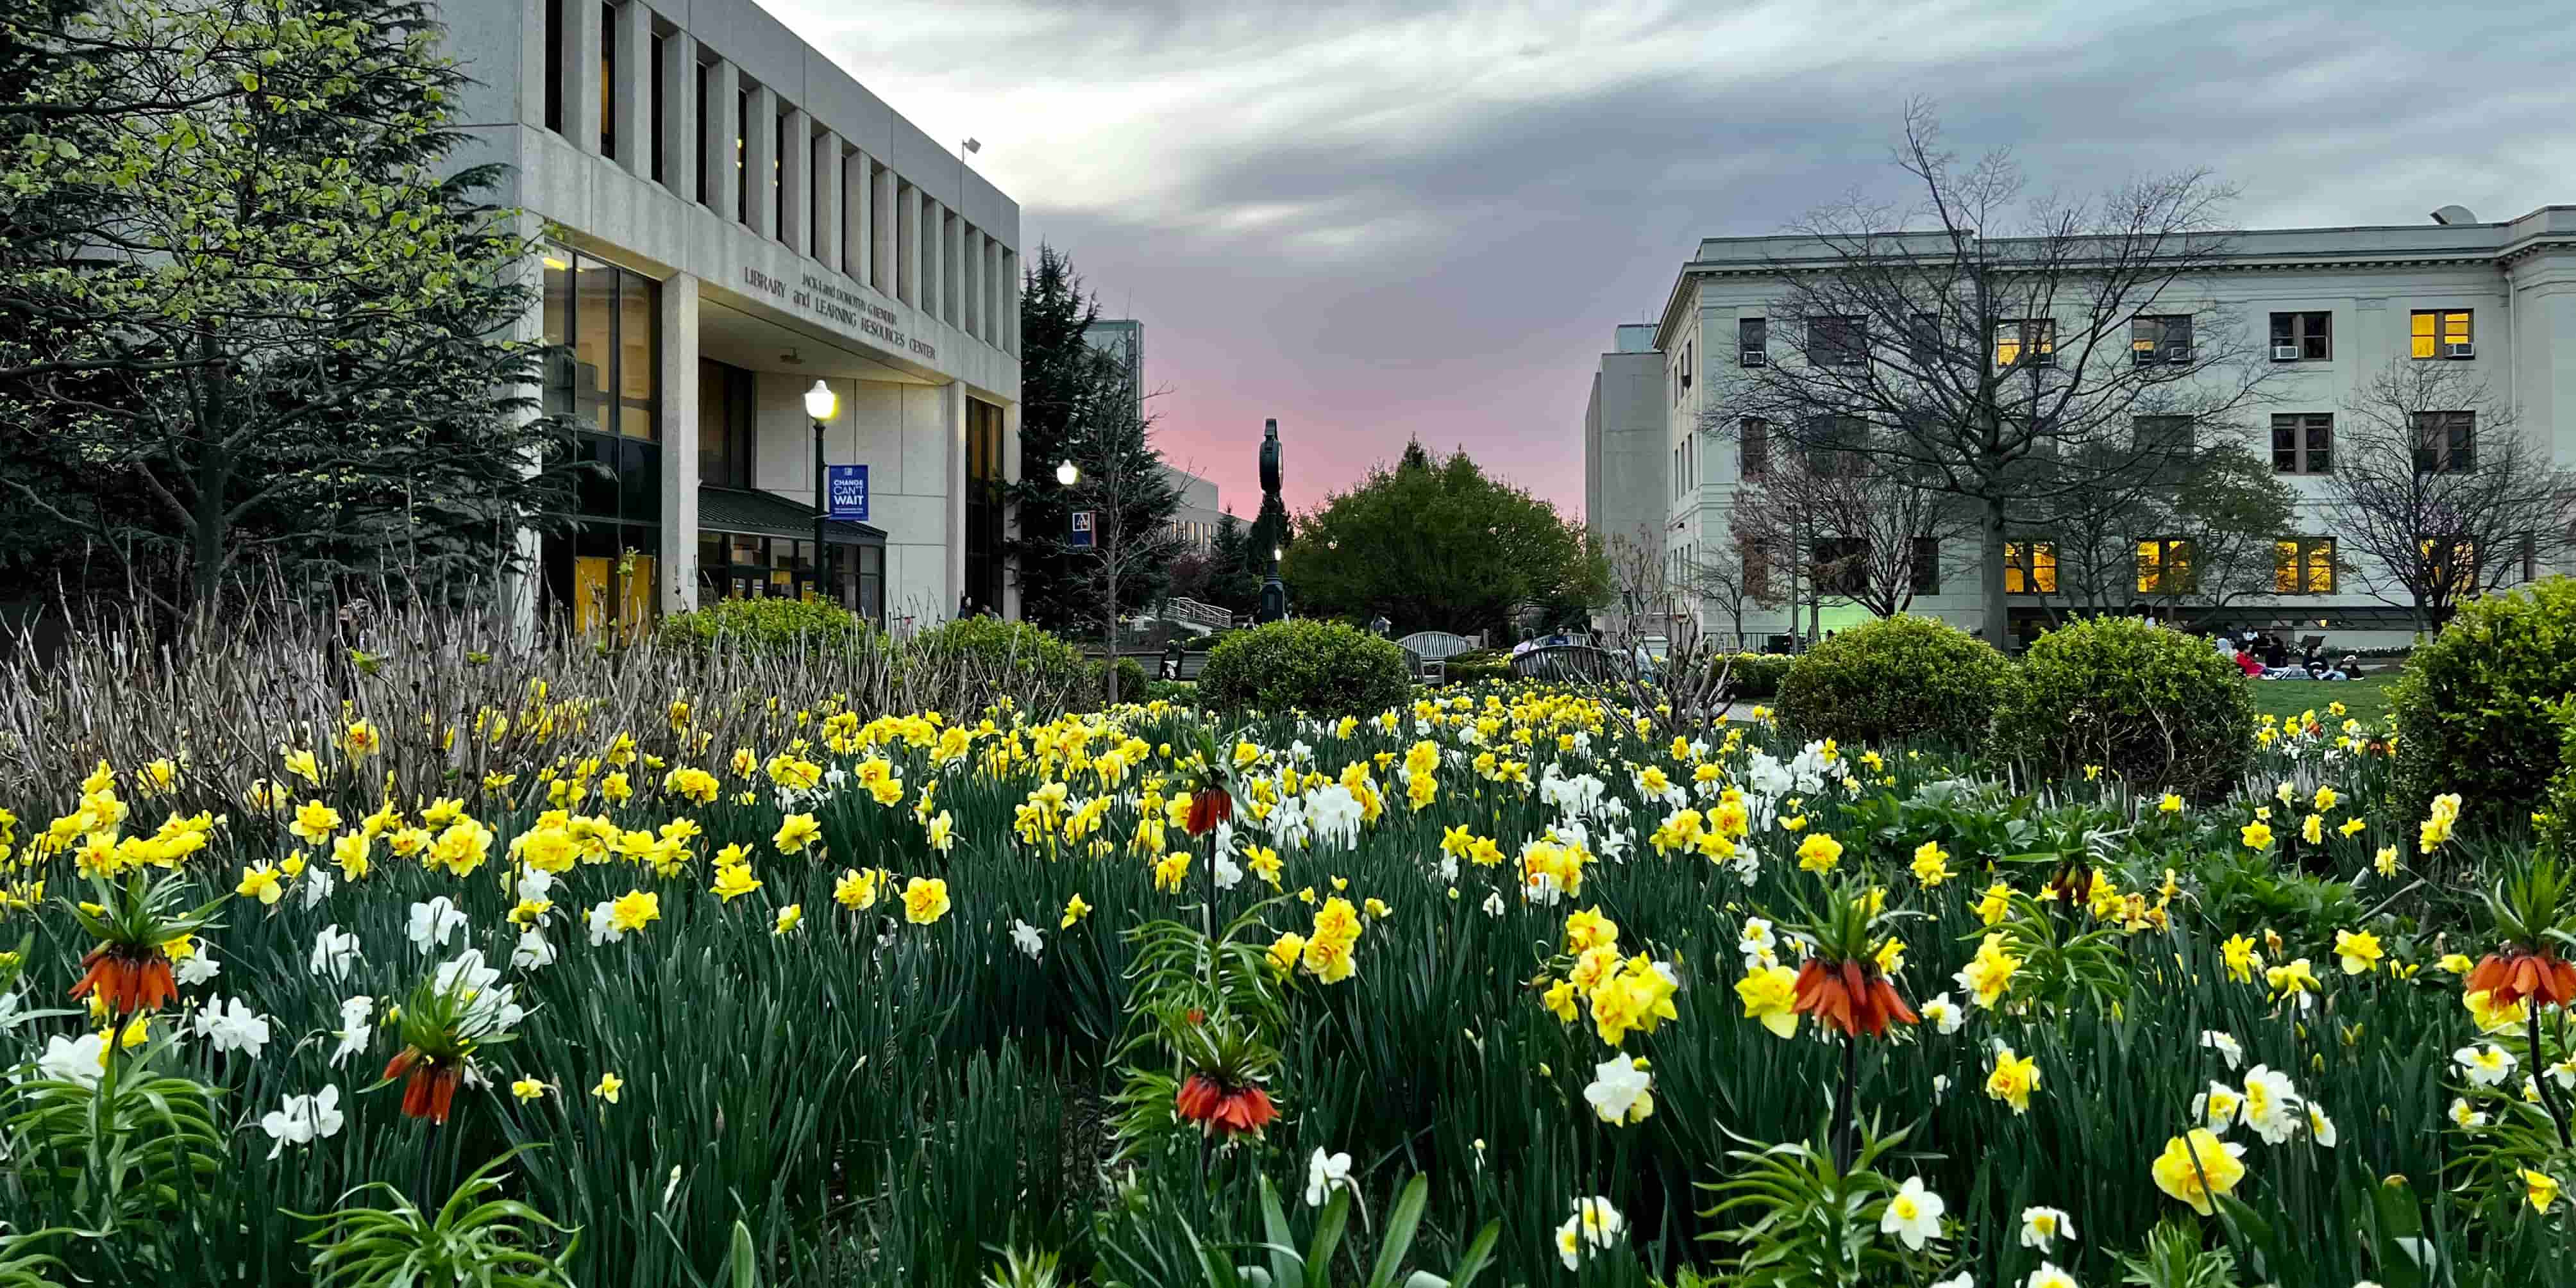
2460 350
2285 353
1756 357
2177 353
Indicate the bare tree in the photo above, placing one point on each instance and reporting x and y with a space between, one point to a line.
1650 595
2440 493
1867 532
1123 481
2189 540
2003 370
1732 579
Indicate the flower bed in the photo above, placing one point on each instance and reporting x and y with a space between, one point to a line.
885 991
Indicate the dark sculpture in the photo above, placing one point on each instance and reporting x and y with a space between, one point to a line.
1274 593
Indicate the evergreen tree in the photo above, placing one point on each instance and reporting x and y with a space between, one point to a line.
275 336
1076 405
1234 576
1434 544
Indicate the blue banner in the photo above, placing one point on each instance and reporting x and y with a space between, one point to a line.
847 487
1080 537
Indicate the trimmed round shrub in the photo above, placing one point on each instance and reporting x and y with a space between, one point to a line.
765 626
1319 667
2558 813
1896 678
1756 676
2159 708
989 647
1131 679
2473 708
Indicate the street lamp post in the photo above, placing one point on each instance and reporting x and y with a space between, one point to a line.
820 403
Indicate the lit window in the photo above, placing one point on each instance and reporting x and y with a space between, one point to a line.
2030 569
2442 333
2303 566
2452 560
2031 341
2164 567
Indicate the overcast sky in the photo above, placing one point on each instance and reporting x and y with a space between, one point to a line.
1375 220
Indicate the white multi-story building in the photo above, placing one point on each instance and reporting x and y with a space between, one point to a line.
2332 307
1195 520
730 218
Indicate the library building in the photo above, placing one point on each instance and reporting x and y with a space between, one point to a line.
785 314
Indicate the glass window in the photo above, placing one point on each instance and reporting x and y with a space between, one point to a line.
2445 441
2441 333
2164 567
1756 460
555 65
1752 341
2303 443
639 355
2161 338
608 80
2031 341
655 142
2303 566
2030 569
1927 566
2303 337
1838 341
593 332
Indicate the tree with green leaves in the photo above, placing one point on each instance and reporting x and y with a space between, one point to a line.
1077 405
1435 544
278 333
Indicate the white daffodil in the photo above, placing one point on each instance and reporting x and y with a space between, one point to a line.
2226 1046
354 1030
2042 1227
2487 1064
1621 1090
1026 938
1324 1173
334 951
79 1059
233 1026
434 923
301 1120
1913 1214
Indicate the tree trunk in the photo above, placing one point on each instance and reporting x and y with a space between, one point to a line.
1990 576
1111 614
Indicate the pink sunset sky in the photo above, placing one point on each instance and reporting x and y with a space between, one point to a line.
1376 221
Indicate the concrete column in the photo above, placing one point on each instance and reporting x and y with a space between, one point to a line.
860 258
1011 467
677 427
952 403
934 257
632 96
760 160
716 136
974 274
795 171
884 223
680 142
907 251
826 178
518 591
583 40
1011 302
952 234
996 288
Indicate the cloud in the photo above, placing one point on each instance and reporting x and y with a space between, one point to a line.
1380 220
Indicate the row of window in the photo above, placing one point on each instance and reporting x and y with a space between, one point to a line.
2302 443
877 227
1201 535
2032 342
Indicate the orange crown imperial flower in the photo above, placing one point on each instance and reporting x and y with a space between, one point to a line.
134 923
1224 1110
1842 984
2516 973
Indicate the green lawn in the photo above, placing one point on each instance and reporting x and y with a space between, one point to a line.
2365 699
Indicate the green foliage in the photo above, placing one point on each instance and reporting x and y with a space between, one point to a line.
1077 404
475 1238
2558 813
277 330
2473 711
1319 667
112 1162
1133 684
2158 708
1438 545
1478 664
1756 676
992 643
2175 1257
1895 678
776 625
1806 1221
